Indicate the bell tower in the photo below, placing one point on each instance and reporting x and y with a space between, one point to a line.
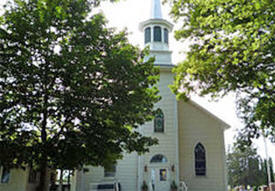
156 34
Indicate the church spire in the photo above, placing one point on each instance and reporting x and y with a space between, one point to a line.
156 33
156 9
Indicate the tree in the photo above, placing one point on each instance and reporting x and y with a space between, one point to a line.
72 92
264 169
232 49
244 167
271 170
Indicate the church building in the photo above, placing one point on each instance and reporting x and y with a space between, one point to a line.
191 150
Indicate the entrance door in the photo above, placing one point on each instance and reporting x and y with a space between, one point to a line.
160 179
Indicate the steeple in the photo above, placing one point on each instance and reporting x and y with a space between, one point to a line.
156 34
156 9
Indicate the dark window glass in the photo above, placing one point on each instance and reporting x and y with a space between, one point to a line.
158 159
157 34
147 35
200 160
159 122
5 175
105 186
166 36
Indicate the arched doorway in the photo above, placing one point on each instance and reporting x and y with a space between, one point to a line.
159 173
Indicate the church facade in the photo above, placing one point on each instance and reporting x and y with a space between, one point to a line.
191 150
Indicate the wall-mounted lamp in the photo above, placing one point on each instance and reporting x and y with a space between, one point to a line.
173 168
145 168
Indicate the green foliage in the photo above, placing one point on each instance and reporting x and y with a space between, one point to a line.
271 170
245 167
232 49
72 91
173 185
144 186
264 167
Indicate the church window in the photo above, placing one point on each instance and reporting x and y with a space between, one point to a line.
159 122
157 34
166 36
147 35
5 177
110 171
158 159
200 160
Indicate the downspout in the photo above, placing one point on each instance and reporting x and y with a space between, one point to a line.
139 165
224 161
177 141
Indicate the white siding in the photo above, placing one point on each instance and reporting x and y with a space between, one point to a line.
197 126
167 140
127 169
126 174
17 182
194 125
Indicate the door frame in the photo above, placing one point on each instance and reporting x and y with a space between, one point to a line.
158 167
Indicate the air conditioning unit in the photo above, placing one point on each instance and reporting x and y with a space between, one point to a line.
182 186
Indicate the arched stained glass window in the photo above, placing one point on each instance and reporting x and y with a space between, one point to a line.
157 34
200 160
166 35
147 33
158 159
159 121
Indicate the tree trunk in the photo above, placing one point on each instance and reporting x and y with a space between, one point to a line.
42 186
43 182
60 187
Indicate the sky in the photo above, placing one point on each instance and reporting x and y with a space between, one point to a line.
128 14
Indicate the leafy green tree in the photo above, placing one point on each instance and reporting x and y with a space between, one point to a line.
264 169
72 92
244 167
232 49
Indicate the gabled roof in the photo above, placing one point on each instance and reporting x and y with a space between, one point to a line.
223 123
